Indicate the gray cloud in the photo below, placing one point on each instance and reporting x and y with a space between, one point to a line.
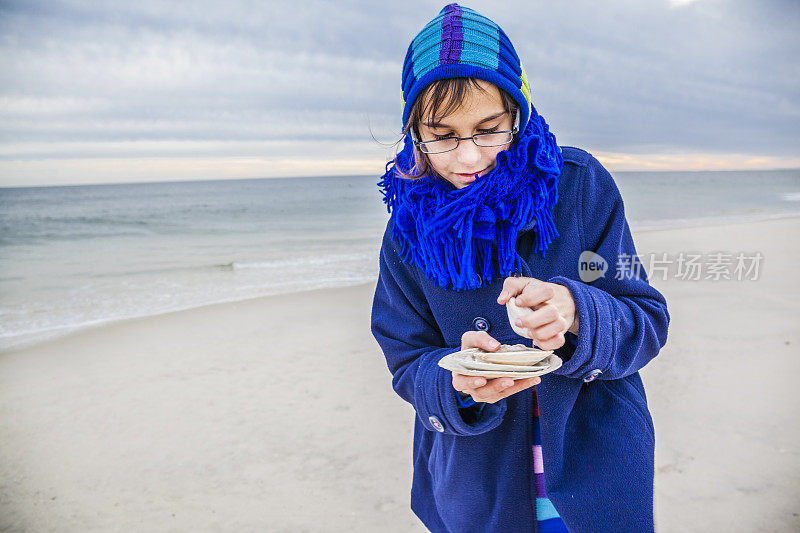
622 76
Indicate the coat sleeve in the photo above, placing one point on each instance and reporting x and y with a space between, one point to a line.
623 321
412 343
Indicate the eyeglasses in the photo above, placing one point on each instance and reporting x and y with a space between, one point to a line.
486 140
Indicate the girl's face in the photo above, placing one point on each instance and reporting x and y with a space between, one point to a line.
480 112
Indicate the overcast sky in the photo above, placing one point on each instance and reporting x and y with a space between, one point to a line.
99 91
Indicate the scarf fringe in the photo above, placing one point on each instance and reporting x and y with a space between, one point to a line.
466 238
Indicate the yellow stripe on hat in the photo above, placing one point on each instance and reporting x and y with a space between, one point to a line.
525 88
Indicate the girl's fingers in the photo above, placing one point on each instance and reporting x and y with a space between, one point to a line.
499 385
491 391
552 343
544 315
520 385
548 331
512 287
467 383
500 388
536 295
479 339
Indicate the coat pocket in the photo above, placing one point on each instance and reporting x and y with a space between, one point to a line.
625 392
434 459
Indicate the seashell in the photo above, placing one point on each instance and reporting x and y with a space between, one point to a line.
518 354
466 363
473 363
514 313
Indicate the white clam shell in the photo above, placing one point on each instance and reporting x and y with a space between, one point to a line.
465 363
518 354
514 313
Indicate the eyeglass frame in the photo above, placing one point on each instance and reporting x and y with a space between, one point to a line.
513 131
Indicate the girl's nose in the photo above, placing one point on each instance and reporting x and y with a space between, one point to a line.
468 152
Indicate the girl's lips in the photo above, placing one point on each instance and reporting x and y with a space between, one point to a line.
472 175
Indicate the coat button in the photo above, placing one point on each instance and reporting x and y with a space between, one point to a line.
436 424
592 375
480 324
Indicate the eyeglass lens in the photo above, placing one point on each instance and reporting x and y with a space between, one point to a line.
482 139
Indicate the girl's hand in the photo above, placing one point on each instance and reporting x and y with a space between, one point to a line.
481 389
553 310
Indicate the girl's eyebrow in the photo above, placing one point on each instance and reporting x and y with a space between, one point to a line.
487 119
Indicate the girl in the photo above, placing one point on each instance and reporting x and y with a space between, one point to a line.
484 205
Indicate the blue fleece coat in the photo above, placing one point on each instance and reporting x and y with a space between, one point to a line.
473 468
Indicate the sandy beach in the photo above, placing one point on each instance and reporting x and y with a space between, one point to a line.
277 414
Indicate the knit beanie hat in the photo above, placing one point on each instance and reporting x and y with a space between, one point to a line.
460 42
465 238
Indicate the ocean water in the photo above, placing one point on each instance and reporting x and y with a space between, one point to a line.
79 256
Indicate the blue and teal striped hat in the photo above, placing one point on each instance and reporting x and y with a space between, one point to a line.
460 42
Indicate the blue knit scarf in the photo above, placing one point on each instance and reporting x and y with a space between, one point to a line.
466 238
